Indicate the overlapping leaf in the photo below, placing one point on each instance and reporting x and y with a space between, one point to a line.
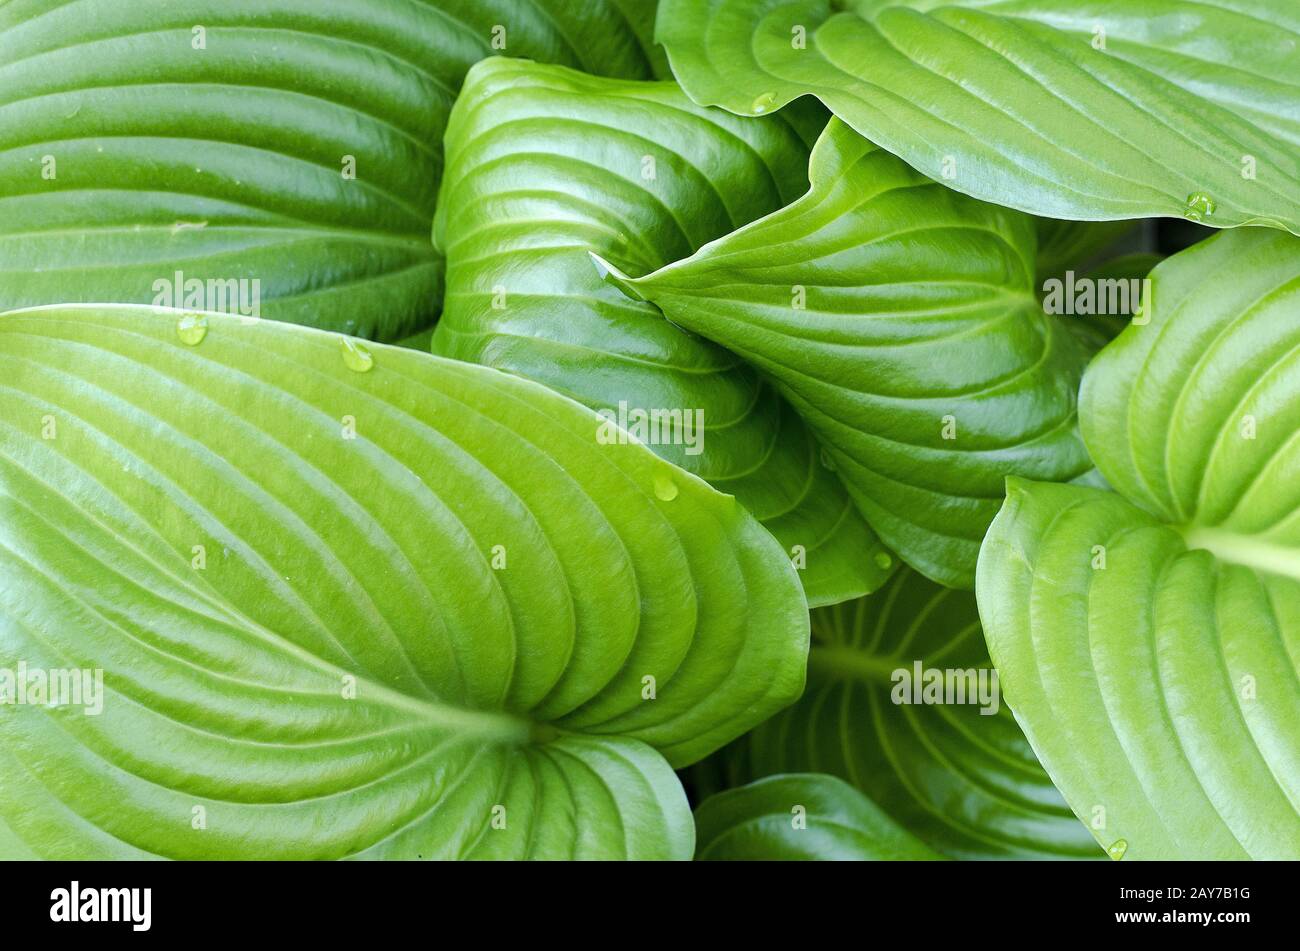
901 321
800 817
296 144
356 604
546 165
1100 110
1149 639
951 768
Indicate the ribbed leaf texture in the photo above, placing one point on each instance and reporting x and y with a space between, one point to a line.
297 144
353 602
948 765
545 166
1149 638
1099 110
800 818
901 320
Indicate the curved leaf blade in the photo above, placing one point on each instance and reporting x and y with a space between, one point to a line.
350 613
901 321
1149 639
800 818
1167 409
1129 681
1112 109
953 769
545 166
279 160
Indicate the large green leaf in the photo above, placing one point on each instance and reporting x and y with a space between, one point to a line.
546 165
1094 110
958 773
219 140
901 321
1149 639
800 818
325 646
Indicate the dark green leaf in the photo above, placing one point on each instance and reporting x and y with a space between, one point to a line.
800 818
953 769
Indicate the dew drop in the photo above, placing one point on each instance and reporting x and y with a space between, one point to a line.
1199 206
1117 849
357 357
883 560
192 328
764 103
665 488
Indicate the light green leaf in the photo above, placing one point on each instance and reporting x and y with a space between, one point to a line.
294 144
901 321
348 602
952 768
546 165
1149 639
1100 110
800 818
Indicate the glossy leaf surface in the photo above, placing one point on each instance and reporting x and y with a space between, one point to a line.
546 166
1149 638
357 602
903 704
901 321
800 818
1100 110
149 148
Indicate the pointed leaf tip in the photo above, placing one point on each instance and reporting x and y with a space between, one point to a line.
612 275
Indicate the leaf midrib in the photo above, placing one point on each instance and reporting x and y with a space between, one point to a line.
853 663
490 726
1238 548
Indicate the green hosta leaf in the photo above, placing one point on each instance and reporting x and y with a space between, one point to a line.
546 165
1149 639
1100 110
953 769
800 817
350 602
294 144
901 321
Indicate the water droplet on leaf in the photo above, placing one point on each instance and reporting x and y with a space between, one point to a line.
192 328
357 357
764 103
665 488
883 560
1117 849
1199 206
